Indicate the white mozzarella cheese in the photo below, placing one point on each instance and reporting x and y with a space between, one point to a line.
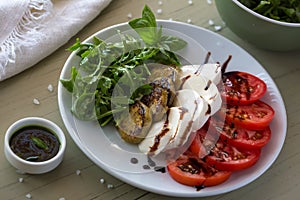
211 71
161 132
205 89
191 118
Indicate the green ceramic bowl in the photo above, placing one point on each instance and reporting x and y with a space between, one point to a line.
257 29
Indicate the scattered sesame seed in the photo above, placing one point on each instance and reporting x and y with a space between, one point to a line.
102 180
50 88
78 172
211 22
110 186
209 2
36 101
129 15
190 2
217 28
160 3
28 196
21 180
189 21
159 11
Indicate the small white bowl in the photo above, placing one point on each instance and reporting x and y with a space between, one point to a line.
29 166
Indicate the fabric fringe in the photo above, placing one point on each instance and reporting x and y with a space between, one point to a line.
26 33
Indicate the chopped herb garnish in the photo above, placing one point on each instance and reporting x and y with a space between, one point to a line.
39 142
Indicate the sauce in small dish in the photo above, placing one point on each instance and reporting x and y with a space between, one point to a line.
34 143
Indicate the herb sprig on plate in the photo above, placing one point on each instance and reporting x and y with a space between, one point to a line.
103 63
282 10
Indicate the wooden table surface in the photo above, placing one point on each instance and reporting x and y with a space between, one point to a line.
281 181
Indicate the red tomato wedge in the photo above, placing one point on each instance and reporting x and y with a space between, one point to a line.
240 137
242 88
220 155
204 141
255 116
228 158
192 171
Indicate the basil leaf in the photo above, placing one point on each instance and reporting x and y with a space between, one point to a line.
39 142
172 43
146 27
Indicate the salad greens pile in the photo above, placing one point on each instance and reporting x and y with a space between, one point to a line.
282 10
102 64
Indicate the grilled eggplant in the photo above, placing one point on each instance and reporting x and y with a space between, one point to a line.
157 101
164 81
133 126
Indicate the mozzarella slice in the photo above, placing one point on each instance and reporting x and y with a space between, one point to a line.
192 118
190 99
161 132
188 69
205 89
211 71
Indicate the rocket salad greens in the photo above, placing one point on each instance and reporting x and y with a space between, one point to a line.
282 10
102 64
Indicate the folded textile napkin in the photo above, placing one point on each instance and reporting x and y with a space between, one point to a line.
33 29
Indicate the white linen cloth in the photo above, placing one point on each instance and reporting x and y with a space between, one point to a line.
30 30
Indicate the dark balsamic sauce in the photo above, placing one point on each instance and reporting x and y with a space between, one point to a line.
134 160
199 187
146 167
207 57
208 112
158 137
225 64
34 143
160 169
183 80
209 82
151 163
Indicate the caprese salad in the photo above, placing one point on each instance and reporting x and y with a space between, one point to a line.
222 147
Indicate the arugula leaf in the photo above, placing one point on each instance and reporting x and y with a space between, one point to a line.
69 83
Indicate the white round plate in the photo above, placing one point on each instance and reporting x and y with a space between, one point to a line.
109 154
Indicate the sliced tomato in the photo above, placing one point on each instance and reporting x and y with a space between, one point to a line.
240 137
228 158
242 88
255 116
192 171
204 141
220 155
